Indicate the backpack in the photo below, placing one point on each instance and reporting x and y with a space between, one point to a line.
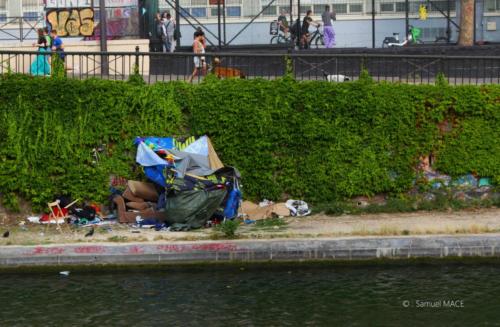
177 33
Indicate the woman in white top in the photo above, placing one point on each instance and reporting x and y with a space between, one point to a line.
199 61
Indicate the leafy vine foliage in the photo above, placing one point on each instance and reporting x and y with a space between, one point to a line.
313 140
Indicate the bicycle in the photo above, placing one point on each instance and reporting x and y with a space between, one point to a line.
316 38
279 36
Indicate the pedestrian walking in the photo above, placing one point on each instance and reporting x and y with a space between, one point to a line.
328 31
199 61
57 45
304 35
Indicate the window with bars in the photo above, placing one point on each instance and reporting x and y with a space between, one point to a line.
285 8
318 9
199 12
304 9
340 8
491 5
270 11
233 11
413 6
31 15
355 8
387 7
199 3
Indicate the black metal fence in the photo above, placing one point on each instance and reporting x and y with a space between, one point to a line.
20 28
154 67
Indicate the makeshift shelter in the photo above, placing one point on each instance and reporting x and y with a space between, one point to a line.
195 180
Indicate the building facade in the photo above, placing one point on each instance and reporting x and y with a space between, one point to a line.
353 25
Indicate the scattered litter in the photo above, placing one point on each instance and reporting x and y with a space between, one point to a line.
253 211
467 181
64 273
33 219
429 197
436 179
6 234
136 231
265 203
111 217
484 181
298 208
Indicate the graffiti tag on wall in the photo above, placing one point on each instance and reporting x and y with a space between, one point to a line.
72 21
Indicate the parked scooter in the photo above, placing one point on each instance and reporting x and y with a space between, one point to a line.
413 37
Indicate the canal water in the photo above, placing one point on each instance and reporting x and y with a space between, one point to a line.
415 295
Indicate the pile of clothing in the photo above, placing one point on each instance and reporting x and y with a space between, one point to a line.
68 211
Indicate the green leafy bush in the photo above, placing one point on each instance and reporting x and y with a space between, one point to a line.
50 127
228 228
315 140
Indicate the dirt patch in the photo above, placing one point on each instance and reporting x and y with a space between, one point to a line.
8 217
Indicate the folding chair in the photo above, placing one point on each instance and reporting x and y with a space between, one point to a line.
59 215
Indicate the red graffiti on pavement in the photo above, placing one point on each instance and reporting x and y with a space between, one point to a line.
197 247
89 249
39 250
135 250
170 248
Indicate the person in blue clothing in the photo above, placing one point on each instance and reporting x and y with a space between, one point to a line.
57 44
41 65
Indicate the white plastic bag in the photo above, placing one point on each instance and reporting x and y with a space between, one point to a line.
298 208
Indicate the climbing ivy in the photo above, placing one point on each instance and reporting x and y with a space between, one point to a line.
49 129
316 140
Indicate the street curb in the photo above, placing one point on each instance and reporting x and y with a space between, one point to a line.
322 249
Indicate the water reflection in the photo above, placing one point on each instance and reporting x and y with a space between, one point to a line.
282 296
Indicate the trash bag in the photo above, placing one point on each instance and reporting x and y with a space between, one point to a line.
192 209
298 208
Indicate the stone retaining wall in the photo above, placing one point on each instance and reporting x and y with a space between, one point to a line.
339 249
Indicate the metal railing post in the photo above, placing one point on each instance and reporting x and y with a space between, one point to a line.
103 37
304 66
136 66
21 32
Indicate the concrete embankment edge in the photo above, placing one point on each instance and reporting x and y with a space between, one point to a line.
324 249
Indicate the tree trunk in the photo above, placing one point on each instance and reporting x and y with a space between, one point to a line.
466 37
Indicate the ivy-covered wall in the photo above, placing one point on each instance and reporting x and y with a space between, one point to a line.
313 140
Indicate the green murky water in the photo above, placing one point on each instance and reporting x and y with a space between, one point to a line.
441 295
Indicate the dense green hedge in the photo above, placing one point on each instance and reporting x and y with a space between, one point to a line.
48 128
313 140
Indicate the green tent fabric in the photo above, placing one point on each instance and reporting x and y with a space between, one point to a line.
191 209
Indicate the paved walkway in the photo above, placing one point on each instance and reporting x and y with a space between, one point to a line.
484 221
